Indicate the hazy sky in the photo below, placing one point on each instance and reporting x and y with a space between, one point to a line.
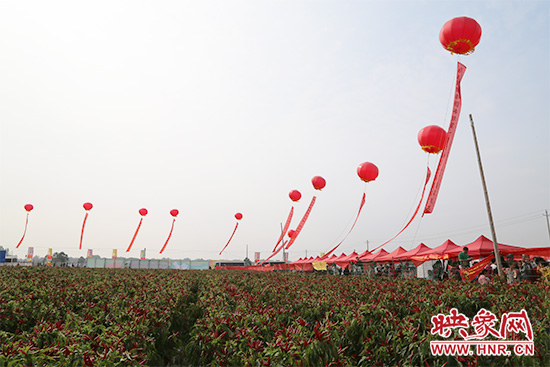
218 107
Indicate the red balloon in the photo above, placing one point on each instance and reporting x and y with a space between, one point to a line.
318 182
432 139
143 212
174 212
29 207
88 206
291 233
367 171
460 35
238 216
295 195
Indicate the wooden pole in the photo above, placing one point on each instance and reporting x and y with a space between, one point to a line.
547 222
489 213
283 240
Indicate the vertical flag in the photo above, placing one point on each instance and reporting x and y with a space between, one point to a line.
114 254
142 254
49 257
286 257
256 257
302 222
30 253
90 253
457 106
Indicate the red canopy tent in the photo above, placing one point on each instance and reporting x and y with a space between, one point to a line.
303 264
335 258
444 251
392 255
484 247
374 256
533 251
295 265
330 259
313 260
361 255
343 262
415 251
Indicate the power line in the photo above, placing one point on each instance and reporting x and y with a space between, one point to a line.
472 229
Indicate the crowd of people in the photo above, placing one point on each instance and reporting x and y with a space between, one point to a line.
525 269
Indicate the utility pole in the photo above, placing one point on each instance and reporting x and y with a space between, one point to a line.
489 213
547 222
283 240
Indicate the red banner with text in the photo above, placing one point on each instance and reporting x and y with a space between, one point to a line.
457 106
469 274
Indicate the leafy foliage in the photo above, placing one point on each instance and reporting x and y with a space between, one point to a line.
71 316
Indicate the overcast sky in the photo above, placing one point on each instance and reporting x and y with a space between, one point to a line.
218 107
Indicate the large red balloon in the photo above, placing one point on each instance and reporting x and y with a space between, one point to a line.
432 139
291 233
238 216
318 182
460 35
295 195
88 206
143 212
367 171
29 207
174 212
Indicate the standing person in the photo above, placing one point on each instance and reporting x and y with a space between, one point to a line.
464 258
513 273
359 265
526 270
510 260
544 271
437 270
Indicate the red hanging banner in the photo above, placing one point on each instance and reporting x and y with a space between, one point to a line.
230 238
169 235
135 235
302 222
82 232
25 231
297 231
363 201
428 175
457 106
285 229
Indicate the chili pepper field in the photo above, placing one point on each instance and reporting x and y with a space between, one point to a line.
96 317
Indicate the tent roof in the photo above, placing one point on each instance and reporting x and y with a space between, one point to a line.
418 249
374 256
311 260
350 257
343 261
448 248
392 255
484 246
335 258
534 251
